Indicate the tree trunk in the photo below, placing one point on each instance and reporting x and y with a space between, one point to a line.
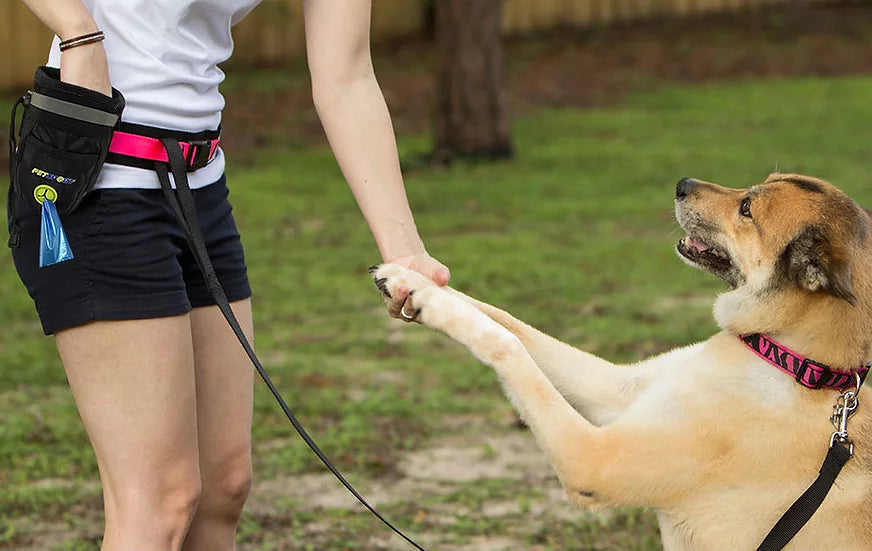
471 113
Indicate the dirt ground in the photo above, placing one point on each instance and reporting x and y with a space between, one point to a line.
435 471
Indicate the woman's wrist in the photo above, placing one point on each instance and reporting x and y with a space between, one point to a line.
402 249
395 236
77 26
86 66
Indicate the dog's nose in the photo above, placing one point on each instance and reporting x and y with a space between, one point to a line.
684 187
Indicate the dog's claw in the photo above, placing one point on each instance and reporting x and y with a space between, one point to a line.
380 283
372 268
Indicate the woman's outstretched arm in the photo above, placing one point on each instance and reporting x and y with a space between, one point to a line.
355 117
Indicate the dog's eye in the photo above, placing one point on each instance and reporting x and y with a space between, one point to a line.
745 207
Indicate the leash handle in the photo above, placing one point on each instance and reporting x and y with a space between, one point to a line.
803 508
185 211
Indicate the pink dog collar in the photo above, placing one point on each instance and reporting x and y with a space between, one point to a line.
808 373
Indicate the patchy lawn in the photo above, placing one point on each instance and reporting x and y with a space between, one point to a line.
575 235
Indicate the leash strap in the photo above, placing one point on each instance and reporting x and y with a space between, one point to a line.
185 211
14 229
803 508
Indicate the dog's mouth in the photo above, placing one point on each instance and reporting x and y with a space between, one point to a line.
705 255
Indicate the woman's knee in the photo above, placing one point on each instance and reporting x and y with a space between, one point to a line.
180 504
168 500
226 486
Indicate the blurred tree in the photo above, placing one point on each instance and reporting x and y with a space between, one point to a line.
471 112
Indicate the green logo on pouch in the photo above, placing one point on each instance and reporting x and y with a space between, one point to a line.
45 192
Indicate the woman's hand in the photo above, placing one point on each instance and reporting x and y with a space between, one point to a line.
399 307
86 66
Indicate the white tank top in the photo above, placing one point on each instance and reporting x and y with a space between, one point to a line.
163 56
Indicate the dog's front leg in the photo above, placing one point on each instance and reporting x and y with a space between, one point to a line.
613 464
597 388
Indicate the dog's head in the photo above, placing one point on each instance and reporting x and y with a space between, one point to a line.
789 238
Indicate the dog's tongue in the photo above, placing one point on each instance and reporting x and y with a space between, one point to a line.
695 244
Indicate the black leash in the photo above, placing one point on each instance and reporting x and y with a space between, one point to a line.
182 204
803 508
841 450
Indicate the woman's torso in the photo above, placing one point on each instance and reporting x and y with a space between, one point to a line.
163 56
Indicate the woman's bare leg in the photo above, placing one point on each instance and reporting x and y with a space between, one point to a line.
133 382
225 380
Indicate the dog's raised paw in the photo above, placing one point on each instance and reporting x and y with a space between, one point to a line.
390 277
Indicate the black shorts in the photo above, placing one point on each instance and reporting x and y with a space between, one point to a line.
131 260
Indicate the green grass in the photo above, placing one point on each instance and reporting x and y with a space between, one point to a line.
575 235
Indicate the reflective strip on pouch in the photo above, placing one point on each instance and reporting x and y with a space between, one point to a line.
72 110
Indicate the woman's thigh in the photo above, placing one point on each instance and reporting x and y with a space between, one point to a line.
133 382
224 382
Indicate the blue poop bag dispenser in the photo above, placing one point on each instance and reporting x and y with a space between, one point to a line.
53 244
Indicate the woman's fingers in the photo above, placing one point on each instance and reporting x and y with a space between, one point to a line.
399 305
425 265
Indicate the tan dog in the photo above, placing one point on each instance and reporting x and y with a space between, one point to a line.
713 437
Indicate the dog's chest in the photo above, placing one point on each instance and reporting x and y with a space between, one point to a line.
725 527
675 532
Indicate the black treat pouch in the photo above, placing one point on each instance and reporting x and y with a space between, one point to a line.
62 141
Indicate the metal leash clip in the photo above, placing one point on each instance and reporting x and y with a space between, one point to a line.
845 406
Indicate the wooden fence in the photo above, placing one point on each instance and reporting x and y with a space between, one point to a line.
273 33
525 15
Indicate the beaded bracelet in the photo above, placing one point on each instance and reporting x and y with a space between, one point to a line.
89 38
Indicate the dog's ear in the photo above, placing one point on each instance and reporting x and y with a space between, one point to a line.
813 264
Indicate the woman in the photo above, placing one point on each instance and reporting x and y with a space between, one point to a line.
163 388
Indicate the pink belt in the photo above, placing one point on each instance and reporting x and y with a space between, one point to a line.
197 153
